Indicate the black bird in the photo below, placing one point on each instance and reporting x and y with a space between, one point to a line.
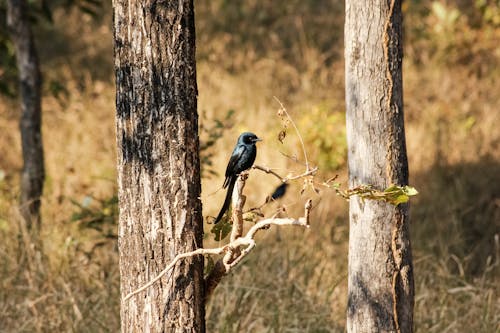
241 159
279 191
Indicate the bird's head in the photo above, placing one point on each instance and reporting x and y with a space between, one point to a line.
248 138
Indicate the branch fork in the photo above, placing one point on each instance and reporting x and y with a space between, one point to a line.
238 247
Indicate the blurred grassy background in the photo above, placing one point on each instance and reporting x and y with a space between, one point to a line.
248 52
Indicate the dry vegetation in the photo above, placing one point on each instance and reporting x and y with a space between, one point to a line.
294 281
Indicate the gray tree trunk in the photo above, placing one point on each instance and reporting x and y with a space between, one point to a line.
158 164
380 284
33 173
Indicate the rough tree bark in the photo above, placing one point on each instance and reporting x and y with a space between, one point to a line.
33 173
380 284
158 164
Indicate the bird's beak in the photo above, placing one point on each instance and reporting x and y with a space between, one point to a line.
257 139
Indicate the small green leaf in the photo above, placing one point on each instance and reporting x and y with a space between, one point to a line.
392 188
396 195
221 229
410 191
400 199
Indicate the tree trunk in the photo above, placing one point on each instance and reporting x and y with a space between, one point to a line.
33 173
380 291
158 164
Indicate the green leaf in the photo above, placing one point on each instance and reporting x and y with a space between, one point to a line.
221 229
410 191
396 195
392 188
400 199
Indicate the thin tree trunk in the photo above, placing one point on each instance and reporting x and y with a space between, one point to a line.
158 164
380 284
33 173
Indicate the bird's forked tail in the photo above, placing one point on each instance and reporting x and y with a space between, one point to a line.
227 201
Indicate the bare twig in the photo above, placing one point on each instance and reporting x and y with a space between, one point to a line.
269 170
283 109
306 173
178 257
301 221
293 158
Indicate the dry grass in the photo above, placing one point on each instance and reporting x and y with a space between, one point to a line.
293 281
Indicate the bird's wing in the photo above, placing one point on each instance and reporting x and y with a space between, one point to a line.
238 152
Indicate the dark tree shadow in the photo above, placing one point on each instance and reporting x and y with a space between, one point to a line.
457 212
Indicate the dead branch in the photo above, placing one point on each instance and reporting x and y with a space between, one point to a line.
238 247
238 201
307 172
283 110
178 257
